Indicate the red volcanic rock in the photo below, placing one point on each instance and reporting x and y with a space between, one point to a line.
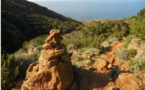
109 66
111 60
102 66
127 81
53 70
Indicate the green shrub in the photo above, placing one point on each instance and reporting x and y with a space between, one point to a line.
95 33
26 58
105 44
142 63
142 46
132 62
14 68
125 54
137 65
131 53
122 54
94 45
80 62
90 52
127 41
11 72
137 26
30 45
142 66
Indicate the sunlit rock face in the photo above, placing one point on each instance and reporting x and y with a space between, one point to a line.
53 71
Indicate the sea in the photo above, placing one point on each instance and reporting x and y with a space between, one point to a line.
95 9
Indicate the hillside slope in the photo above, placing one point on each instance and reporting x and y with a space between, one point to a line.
23 20
106 54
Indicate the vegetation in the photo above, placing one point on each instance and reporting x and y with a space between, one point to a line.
13 68
35 43
97 32
28 30
23 20
137 26
12 71
131 53
125 54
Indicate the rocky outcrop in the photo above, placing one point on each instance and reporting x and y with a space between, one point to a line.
114 80
105 72
53 71
127 81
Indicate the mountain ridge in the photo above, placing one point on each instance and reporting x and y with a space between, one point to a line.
23 20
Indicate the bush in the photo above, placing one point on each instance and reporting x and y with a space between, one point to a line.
137 27
80 62
95 33
26 58
94 45
11 72
127 41
142 46
125 54
133 62
122 54
131 53
89 52
29 46
137 65
14 68
142 66
105 44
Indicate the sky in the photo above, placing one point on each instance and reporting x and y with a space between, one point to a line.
36 1
84 0
114 7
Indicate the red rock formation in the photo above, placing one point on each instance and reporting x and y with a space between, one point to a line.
122 80
53 70
127 81
102 66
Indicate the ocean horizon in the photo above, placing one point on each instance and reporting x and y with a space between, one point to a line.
89 10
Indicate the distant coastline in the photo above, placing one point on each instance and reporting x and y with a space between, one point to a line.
81 11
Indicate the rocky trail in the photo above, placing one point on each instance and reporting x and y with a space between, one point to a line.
54 70
110 74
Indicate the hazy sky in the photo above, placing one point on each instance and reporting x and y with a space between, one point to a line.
101 9
84 0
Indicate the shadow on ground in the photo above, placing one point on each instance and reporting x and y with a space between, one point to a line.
89 80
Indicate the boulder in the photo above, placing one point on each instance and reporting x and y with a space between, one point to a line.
102 66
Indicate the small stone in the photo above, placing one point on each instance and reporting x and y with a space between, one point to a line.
109 66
